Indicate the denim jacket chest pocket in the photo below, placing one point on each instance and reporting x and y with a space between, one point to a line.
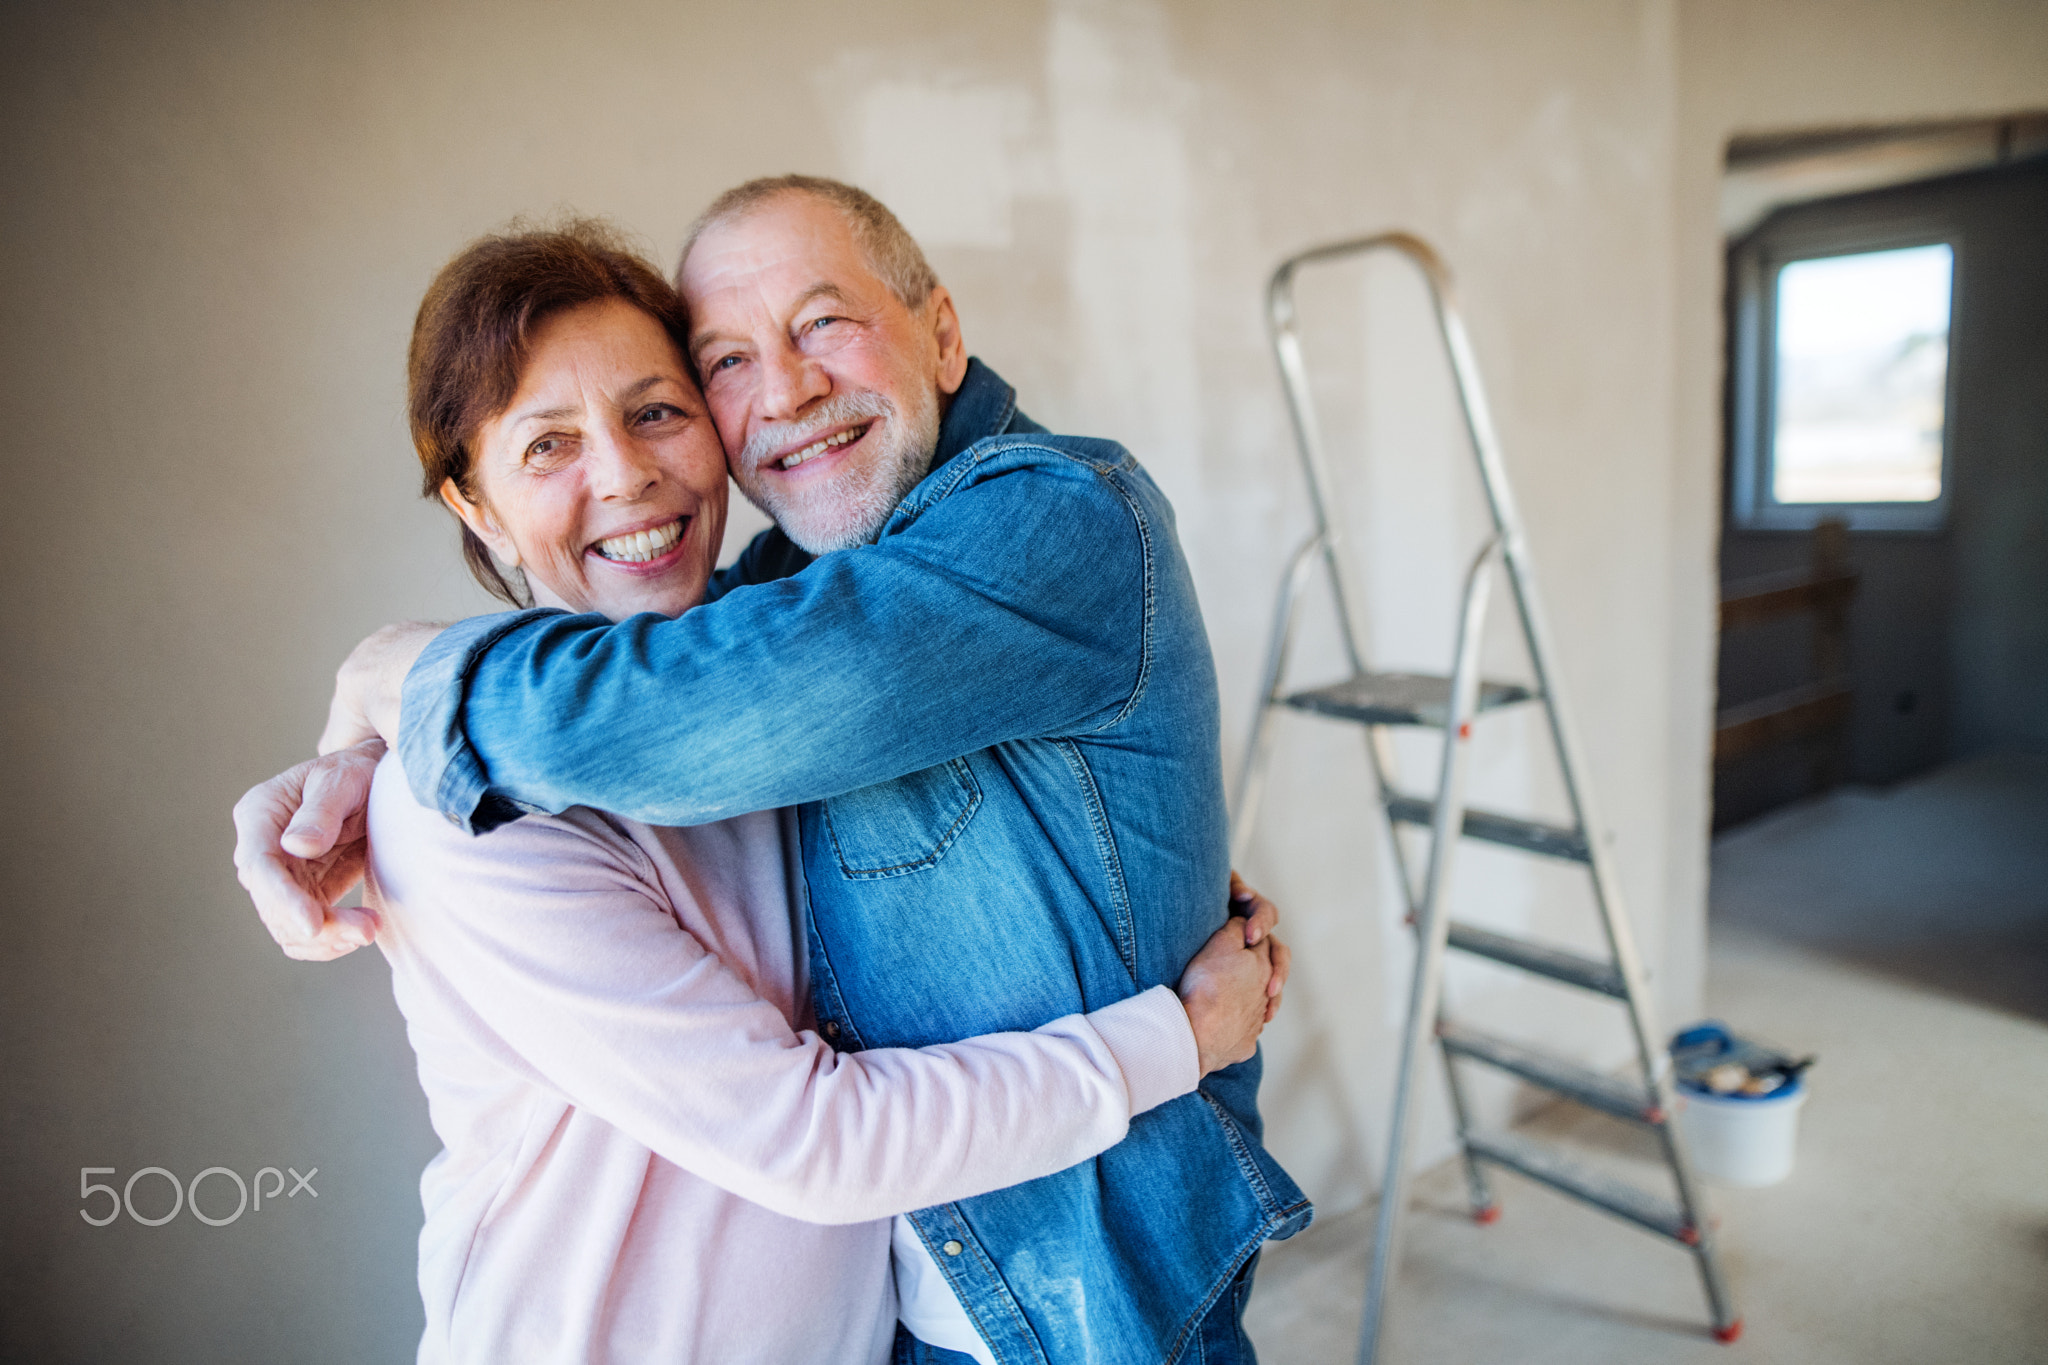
895 828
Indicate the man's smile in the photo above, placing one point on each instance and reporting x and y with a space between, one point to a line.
844 437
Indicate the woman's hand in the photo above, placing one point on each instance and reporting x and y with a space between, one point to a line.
1233 986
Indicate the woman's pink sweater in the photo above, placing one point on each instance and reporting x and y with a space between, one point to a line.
647 1157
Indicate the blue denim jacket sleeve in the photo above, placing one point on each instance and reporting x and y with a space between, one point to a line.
869 664
444 770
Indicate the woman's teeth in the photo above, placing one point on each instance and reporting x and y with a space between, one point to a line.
817 448
642 546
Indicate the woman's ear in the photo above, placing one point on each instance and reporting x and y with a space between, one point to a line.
477 517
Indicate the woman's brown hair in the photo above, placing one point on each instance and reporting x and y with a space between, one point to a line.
470 343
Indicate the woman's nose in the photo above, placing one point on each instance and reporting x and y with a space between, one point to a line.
623 468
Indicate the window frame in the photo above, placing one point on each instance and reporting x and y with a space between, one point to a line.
1754 264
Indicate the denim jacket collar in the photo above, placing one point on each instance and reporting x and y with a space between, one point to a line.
983 406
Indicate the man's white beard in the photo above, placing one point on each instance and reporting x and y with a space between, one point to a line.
848 508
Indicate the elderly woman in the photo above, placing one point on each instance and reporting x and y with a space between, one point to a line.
648 1157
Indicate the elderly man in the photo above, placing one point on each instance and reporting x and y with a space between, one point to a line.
970 652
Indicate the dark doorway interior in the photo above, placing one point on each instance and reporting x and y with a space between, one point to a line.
1944 654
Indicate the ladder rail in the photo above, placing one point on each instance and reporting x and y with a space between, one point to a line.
1536 631
1477 413
1507 522
1249 790
1616 924
1283 330
1432 929
1423 901
1251 776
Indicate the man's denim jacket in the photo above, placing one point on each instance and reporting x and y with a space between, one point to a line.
999 722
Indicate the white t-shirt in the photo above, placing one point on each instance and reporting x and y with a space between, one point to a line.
925 1301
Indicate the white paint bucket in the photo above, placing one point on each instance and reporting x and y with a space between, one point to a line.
1741 1139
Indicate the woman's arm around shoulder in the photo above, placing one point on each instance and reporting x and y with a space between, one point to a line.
557 934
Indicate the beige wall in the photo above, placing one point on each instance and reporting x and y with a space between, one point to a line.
220 220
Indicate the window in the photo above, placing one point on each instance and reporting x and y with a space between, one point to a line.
1842 377
1861 386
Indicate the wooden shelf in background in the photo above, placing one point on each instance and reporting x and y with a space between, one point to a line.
1754 600
1792 714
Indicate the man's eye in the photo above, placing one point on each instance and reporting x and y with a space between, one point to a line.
819 324
724 362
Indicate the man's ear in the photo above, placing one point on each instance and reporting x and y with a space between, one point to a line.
478 518
952 348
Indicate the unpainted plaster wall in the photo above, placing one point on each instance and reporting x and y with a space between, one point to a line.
220 222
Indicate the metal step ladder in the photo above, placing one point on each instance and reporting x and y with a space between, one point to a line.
1377 701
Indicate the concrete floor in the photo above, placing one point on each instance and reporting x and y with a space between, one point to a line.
1901 935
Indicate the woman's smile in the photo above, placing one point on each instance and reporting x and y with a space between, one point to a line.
643 548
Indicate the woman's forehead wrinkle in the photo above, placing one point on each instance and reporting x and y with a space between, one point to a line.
548 392
554 414
565 377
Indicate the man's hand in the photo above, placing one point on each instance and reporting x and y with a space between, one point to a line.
1233 986
299 847
370 683
299 838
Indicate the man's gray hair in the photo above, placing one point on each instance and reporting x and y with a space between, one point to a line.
892 253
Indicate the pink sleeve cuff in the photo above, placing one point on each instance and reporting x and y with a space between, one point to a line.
1153 1044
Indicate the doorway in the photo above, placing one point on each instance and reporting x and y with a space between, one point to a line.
1884 552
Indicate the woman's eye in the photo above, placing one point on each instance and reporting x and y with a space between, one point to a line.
660 412
548 450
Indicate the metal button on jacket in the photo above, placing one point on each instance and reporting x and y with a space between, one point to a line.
951 1248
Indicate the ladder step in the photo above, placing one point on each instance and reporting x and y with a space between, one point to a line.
1551 1167
1559 964
1399 698
1533 836
1619 1098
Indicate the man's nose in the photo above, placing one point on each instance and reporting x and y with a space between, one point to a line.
790 382
621 467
